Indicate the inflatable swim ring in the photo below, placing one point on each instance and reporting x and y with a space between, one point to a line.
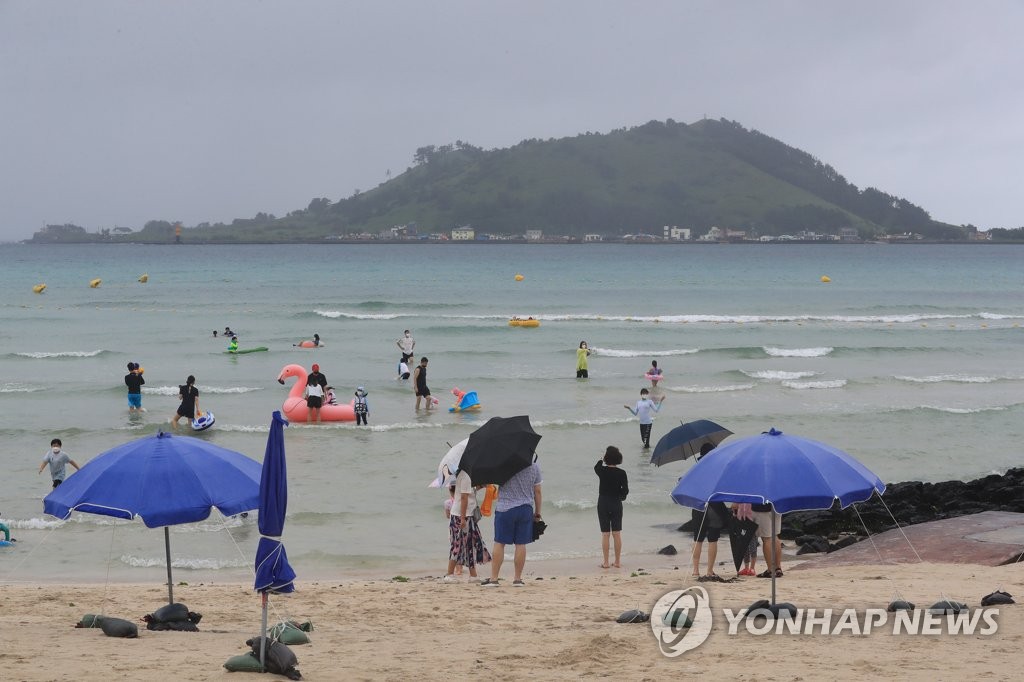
144 278
294 407
309 344
39 288
93 283
204 421
654 377
517 322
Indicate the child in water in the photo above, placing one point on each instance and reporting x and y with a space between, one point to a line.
233 346
362 408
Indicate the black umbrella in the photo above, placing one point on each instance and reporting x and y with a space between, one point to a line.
686 440
499 449
741 531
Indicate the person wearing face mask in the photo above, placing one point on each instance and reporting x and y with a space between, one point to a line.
57 458
406 344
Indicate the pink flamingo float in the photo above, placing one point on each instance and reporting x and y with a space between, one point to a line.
294 407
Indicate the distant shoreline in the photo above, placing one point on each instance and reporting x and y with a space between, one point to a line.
438 242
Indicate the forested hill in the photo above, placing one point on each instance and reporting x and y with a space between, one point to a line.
632 180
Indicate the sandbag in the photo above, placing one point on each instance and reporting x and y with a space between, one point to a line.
900 605
173 617
119 627
633 616
170 613
997 597
279 660
289 632
244 663
947 607
176 626
89 620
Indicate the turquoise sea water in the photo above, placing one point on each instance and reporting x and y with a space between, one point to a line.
909 359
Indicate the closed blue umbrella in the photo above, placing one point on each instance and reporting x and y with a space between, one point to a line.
163 479
686 440
273 572
788 472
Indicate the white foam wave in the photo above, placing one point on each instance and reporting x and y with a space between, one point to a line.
583 422
173 390
19 388
626 353
193 564
798 352
778 375
938 378
711 389
801 385
963 410
999 316
243 428
64 354
577 505
335 314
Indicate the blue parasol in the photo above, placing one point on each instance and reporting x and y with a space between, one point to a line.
165 480
273 572
788 472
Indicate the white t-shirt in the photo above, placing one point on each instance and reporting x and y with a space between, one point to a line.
314 391
463 485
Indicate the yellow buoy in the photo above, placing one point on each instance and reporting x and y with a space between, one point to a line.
140 370
519 278
144 278
95 282
39 288
826 279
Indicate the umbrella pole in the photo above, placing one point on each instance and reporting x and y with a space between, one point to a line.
167 548
775 559
263 637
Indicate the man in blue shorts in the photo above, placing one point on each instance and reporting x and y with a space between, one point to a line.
134 381
518 506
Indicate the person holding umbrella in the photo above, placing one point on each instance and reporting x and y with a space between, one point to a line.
515 512
467 544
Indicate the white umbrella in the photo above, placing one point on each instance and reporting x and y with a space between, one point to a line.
449 464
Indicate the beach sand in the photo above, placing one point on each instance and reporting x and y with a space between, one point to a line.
561 626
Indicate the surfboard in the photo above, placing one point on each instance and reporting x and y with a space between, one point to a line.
243 351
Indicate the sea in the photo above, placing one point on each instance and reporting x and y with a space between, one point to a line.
909 358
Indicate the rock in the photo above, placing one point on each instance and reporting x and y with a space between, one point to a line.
668 550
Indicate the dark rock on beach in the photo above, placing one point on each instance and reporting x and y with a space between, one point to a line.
668 550
906 503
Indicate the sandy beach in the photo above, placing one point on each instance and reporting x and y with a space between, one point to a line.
561 626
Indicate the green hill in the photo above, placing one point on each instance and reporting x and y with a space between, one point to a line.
627 181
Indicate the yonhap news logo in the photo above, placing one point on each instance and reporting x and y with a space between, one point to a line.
682 620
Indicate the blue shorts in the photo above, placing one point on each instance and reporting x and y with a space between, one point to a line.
515 526
134 400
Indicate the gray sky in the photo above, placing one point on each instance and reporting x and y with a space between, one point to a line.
115 113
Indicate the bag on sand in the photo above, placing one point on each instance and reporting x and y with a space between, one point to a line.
243 663
119 627
173 617
280 660
89 620
289 632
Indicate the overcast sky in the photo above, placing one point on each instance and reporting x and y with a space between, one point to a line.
115 113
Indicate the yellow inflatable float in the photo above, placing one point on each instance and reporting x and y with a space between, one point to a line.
826 279
520 322
519 278
39 288
95 282
144 278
